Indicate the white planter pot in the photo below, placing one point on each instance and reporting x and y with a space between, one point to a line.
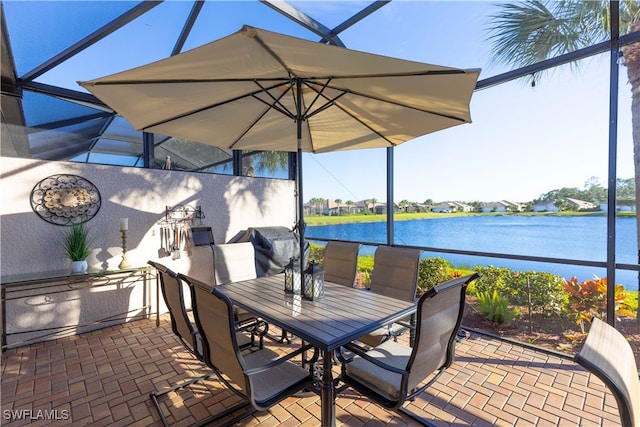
79 266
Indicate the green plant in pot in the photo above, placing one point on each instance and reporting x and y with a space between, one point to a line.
76 246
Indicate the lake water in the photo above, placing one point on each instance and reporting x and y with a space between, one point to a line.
579 238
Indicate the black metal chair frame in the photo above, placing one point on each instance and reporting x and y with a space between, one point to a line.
408 395
249 405
251 326
190 346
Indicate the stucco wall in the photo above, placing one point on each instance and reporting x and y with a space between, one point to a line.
28 244
230 204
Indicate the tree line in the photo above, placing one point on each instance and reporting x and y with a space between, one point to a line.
593 191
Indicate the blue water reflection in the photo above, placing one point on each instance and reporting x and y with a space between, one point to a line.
575 237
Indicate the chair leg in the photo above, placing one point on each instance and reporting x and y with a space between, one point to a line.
227 412
242 405
416 417
154 394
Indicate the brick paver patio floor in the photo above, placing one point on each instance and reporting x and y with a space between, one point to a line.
103 378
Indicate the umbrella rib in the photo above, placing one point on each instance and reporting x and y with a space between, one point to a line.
208 107
276 100
328 104
387 101
277 105
318 93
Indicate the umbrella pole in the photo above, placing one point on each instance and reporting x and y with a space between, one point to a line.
300 225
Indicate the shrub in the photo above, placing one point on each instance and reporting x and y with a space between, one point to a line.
542 291
495 308
316 253
432 271
493 278
589 299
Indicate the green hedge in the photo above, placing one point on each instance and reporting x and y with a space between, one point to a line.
544 291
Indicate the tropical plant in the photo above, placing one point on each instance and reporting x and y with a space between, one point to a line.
349 204
527 32
588 299
495 307
271 160
76 241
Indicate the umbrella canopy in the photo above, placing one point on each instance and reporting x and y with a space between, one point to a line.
244 91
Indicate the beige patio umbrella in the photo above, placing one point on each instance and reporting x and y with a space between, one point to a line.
259 90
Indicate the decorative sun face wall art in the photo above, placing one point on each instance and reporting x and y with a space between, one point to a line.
65 199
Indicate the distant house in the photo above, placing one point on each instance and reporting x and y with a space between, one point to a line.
502 206
548 206
417 207
451 207
575 205
579 205
621 206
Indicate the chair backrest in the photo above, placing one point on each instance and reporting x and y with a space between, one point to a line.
234 262
341 262
439 316
395 272
172 293
213 312
201 264
608 355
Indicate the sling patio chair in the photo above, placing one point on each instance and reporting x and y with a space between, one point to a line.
250 325
221 264
395 274
171 287
173 295
609 356
391 373
235 262
341 262
262 378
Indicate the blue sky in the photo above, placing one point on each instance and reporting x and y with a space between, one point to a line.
523 141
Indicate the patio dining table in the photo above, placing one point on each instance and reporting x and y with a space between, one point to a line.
342 315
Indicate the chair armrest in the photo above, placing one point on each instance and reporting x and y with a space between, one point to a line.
281 360
360 352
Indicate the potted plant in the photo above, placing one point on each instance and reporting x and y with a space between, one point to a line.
76 246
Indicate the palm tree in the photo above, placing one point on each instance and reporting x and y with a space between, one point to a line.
531 31
373 202
264 160
349 205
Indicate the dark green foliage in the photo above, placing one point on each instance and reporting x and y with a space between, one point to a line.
495 307
432 271
316 253
76 242
542 291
